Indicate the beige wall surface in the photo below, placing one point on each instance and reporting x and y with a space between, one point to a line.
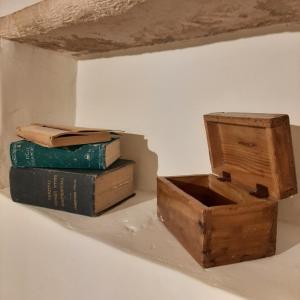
36 86
8 7
159 99
162 96
48 261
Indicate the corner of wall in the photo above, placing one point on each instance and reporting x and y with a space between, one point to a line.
36 85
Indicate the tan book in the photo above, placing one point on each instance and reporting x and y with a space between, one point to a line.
59 136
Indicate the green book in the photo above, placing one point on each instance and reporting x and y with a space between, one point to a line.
99 156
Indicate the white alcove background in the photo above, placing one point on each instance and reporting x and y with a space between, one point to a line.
164 95
159 98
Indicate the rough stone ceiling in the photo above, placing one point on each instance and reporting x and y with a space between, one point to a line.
110 27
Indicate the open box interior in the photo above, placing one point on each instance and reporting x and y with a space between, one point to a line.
210 191
204 194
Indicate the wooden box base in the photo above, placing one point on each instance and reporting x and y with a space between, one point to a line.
217 222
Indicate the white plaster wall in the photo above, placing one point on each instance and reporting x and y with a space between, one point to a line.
36 86
8 7
161 96
164 95
52 262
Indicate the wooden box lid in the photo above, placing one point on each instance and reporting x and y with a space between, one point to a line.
253 151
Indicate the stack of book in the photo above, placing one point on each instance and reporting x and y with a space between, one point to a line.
74 169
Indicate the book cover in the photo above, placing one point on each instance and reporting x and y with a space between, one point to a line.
59 136
86 192
25 154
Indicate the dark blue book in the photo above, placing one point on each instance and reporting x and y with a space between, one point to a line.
86 192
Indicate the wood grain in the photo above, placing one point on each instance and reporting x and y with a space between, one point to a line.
247 119
243 232
184 216
215 234
255 149
219 220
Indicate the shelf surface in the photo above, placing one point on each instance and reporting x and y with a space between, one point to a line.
133 228
97 27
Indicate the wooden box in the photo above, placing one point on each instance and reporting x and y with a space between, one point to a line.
231 215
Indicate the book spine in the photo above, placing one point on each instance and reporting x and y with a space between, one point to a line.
72 192
25 154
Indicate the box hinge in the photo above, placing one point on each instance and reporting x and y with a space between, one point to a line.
225 177
261 191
